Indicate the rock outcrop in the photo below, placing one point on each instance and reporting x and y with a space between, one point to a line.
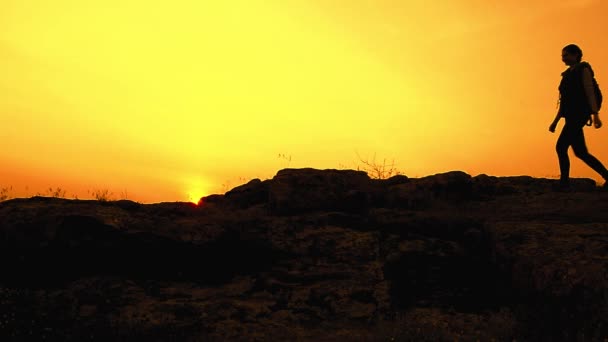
324 255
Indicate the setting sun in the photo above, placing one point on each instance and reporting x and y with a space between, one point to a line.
196 189
195 195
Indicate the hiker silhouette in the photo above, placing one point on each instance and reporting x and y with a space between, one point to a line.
579 106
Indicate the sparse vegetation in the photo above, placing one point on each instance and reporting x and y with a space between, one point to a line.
376 169
102 195
50 192
4 193
285 158
373 167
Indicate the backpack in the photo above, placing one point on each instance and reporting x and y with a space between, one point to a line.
596 87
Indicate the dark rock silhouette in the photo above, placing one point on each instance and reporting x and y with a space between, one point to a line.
314 255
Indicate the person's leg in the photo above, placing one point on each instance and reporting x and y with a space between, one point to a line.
581 151
563 142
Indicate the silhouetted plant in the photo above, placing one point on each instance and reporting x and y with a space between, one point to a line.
378 170
4 193
102 195
50 192
286 158
58 192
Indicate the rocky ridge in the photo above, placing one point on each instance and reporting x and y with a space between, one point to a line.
314 255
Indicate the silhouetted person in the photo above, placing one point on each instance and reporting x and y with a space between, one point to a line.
578 105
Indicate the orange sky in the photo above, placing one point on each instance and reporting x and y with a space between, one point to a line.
172 100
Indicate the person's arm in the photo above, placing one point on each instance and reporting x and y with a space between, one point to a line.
558 116
556 120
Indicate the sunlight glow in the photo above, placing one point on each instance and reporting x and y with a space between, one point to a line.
196 189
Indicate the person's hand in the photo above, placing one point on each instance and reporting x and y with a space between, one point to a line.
597 123
553 126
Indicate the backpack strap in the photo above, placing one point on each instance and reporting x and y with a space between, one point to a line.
586 65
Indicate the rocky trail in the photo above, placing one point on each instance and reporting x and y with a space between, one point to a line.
313 255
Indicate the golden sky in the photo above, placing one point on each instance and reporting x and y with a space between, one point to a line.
172 100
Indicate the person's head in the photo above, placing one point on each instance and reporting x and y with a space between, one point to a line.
572 54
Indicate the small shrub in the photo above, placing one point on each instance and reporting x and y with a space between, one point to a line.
286 159
50 192
58 192
378 170
4 193
102 195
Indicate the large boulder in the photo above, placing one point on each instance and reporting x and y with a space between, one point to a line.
243 196
423 192
249 194
304 190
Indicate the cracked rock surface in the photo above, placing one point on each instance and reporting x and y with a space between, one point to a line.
319 255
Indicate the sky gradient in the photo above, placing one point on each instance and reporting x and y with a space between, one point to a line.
173 100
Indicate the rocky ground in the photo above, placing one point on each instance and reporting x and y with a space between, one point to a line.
313 255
